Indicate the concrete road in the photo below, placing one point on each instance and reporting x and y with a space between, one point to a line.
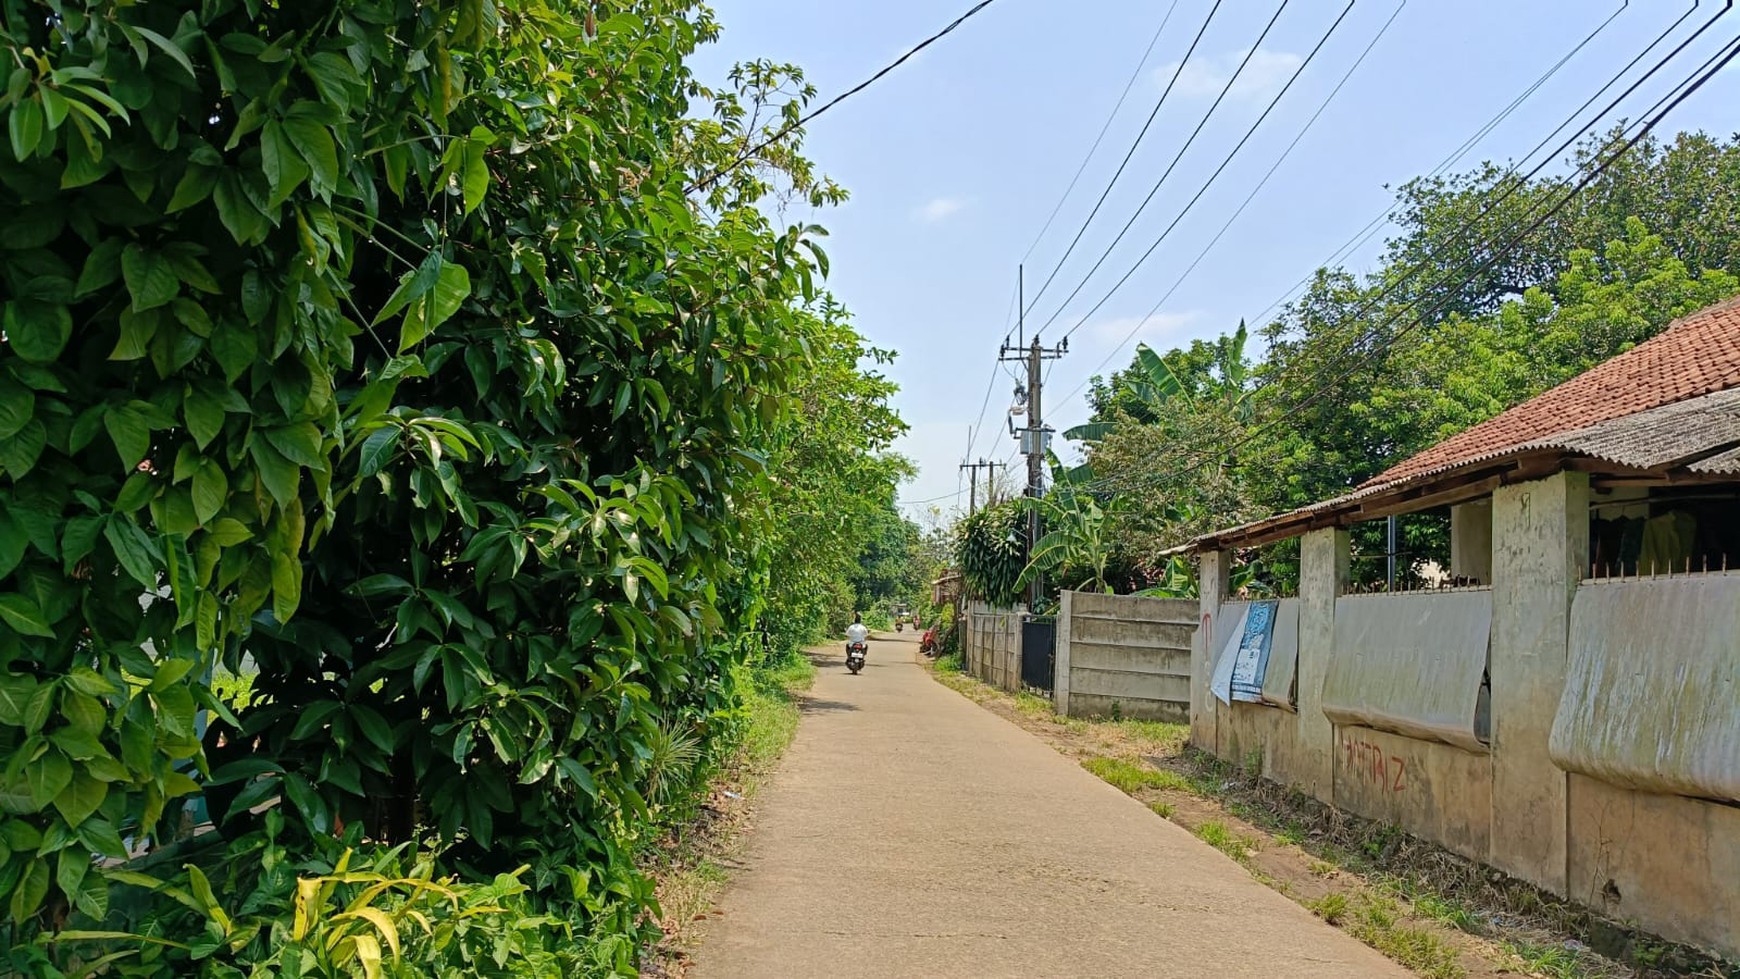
910 832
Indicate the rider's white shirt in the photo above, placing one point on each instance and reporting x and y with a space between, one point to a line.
857 633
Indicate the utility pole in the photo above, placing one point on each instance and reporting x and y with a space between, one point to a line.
990 482
1034 438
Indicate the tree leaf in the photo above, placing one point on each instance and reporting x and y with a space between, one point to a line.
134 550
130 429
151 278
377 449
17 403
210 491
36 331
16 692
475 177
80 798
313 141
23 616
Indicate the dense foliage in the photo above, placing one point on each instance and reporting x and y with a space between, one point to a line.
991 546
381 347
1361 372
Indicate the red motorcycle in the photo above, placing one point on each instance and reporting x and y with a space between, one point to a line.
927 645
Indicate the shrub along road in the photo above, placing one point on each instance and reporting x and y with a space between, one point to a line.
909 833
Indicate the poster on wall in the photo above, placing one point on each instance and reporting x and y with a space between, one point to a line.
1244 659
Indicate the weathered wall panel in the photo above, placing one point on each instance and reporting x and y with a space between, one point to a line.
1432 790
1130 652
1410 664
1652 695
1669 863
1540 534
1324 572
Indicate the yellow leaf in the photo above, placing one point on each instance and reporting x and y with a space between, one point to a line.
368 952
382 923
307 891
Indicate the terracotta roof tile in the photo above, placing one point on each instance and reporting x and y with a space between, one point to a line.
1697 354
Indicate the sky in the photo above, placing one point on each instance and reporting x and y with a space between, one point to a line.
956 160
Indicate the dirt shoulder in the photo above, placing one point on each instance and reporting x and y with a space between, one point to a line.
1436 913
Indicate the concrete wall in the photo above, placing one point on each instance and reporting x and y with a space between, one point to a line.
1670 863
1131 656
991 646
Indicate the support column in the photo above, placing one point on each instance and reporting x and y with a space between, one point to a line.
1323 577
1060 662
1540 533
1212 576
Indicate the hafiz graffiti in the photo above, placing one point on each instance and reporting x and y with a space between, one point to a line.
1372 764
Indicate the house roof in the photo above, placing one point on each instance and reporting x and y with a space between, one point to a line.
1697 354
1671 401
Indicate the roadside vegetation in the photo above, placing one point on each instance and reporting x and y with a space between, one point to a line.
423 456
1435 913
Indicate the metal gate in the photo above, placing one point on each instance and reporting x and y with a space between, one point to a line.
1038 651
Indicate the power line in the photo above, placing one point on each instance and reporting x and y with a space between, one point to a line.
807 117
1137 73
1321 108
1182 150
1126 161
1684 91
1365 234
1458 239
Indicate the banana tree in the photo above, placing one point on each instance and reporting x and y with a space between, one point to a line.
1207 372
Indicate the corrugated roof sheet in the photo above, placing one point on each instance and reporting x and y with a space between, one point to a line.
1697 354
1674 433
1722 464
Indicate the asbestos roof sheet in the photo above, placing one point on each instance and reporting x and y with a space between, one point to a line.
1659 437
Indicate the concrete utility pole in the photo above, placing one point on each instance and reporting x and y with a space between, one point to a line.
990 482
1034 438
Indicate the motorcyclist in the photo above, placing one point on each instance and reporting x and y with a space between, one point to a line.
857 633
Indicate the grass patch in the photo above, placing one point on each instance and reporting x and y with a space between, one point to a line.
1033 705
1323 868
1554 961
1378 922
1447 912
1162 809
1330 907
1131 777
1216 834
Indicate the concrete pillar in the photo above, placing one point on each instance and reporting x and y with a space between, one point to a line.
1212 576
1540 532
1471 541
1060 674
1323 577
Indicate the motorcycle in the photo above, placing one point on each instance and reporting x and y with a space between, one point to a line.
899 625
927 645
855 653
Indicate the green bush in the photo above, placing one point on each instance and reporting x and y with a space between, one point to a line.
992 551
394 345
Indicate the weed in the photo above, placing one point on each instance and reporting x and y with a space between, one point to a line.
1253 763
1554 961
1033 705
1381 841
1293 834
1377 921
1162 809
1331 907
1131 777
1324 868
1216 834
1446 912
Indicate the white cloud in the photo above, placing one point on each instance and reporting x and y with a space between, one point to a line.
1204 77
939 209
1134 329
